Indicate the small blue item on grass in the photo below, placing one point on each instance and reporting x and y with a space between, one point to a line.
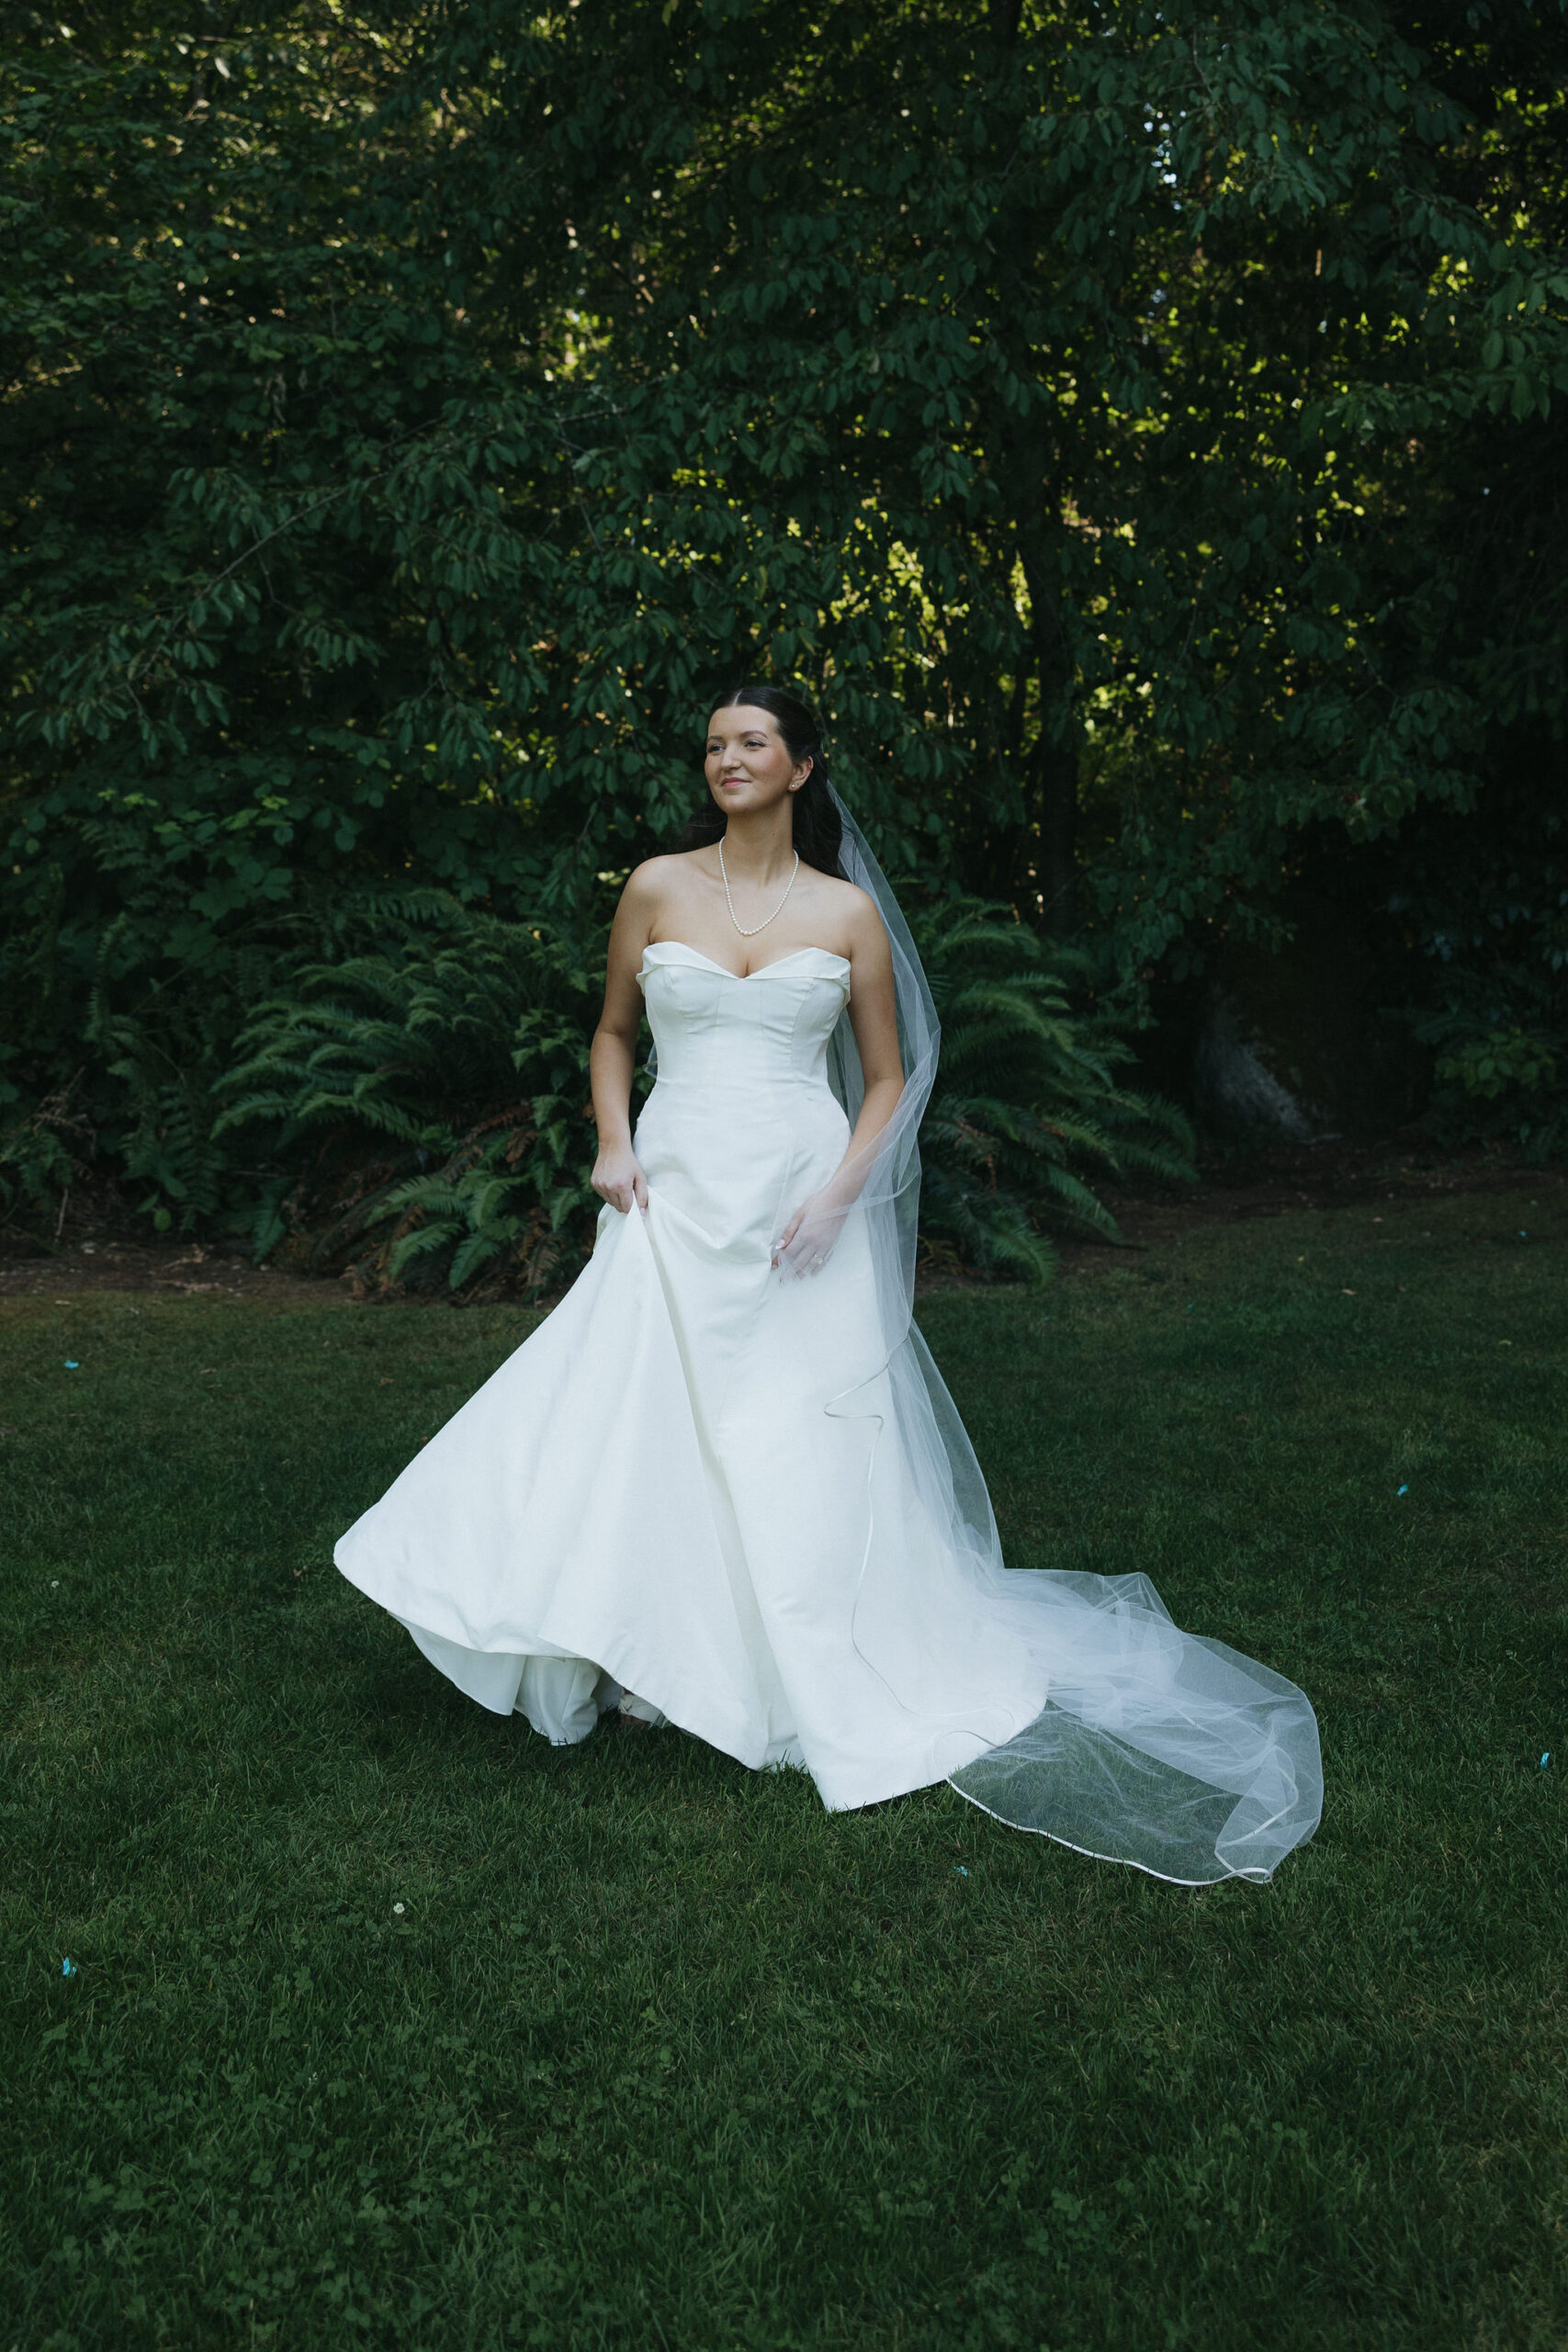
71 1364
1405 1490
68 1968
1546 1760
1523 1235
959 1871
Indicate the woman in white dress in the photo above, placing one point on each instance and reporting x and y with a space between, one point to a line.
722 1485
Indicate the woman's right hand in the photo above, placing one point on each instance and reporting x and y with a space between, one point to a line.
618 1179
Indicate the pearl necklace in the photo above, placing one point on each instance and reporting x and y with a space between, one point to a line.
730 903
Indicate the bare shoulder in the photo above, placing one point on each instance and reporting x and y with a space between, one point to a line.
831 893
655 878
845 914
860 916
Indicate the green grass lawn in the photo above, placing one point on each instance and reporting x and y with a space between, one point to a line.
390 2025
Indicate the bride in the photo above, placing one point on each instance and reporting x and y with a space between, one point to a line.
723 1487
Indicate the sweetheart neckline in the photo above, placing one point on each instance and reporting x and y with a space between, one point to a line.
714 964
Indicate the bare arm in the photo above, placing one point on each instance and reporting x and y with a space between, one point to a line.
807 1240
873 1018
617 1178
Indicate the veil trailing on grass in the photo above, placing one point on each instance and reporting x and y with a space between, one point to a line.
1155 1746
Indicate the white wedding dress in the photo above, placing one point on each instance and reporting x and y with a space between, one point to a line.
703 1484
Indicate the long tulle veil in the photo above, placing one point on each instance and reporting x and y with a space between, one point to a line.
1157 1748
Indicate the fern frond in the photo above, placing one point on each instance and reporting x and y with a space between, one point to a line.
1027 1108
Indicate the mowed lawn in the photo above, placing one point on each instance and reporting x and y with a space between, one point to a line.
389 2024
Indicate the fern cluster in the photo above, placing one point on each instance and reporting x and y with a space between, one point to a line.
1027 1109
402 1090
429 1101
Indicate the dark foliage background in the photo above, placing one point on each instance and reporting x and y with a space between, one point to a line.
1136 425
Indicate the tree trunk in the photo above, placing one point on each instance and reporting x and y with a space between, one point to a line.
1056 863
1054 762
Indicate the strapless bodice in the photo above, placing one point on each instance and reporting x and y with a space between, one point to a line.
742 1126
714 1029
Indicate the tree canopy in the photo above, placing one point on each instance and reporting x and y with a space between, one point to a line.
1135 424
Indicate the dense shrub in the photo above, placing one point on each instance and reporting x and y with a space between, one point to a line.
1484 902
1139 434
118 1031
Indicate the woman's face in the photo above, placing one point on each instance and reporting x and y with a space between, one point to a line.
748 766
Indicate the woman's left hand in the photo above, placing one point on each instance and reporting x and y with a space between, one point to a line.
806 1242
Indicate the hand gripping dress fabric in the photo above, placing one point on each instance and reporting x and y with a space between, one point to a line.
749 1500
